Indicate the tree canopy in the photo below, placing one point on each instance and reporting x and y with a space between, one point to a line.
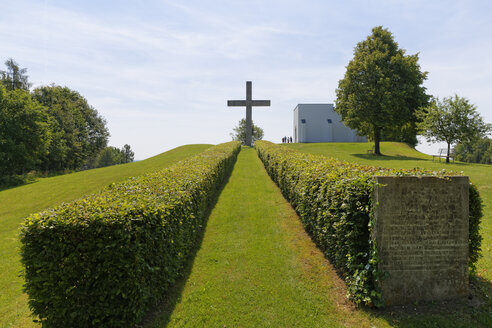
113 156
79 133
14 77
24 132
451 120
128 154
50 129
239 132
381 90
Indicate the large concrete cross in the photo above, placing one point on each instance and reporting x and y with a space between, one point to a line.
249 103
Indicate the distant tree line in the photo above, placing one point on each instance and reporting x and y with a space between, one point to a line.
474 152
51 129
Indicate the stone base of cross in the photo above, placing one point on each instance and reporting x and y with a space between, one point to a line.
248 103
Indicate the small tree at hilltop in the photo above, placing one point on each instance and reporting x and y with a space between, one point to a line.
382 88
239 133
128 154
109 156
113 156
451 120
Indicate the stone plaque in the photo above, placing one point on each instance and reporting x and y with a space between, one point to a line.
421 233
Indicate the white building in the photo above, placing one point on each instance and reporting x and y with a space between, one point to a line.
320 123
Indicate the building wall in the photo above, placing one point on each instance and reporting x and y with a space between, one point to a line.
321 124
296 125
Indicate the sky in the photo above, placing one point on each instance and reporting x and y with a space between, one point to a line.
161 72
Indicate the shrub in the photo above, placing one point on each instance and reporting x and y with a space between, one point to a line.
334 202
474 238
105 259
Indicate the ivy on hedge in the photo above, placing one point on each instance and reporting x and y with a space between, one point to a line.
103 260
334 201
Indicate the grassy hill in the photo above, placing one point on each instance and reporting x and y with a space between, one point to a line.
399 155
255 265
19 202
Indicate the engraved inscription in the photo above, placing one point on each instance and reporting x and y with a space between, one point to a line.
421 232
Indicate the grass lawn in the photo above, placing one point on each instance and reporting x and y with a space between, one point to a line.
17 203
256 266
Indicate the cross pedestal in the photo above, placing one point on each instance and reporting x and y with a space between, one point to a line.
248 103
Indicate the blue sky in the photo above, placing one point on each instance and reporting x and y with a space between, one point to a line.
160 72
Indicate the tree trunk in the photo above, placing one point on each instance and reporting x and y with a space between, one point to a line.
447 155
377 137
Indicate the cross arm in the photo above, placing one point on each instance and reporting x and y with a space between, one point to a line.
242 103
260 102
236 103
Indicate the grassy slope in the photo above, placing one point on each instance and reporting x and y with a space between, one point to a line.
256 266
17 203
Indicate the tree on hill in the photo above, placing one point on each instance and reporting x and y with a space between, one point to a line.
128 154
14 77
24 132
109 156
381 90
452 120
113 156
239 133
79 133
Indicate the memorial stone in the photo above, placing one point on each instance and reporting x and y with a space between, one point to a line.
421 235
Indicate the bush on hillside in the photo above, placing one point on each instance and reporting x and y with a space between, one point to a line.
334 202
101 261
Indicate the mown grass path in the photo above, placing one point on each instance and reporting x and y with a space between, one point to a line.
256 266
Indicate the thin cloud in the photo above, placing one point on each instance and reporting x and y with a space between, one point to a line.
161 72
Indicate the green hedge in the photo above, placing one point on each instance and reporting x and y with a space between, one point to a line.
334 202
103 260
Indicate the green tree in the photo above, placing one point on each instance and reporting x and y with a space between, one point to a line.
451 120
79 132
239 133
24 132
406 133
128 154
382 88
109 156
14 77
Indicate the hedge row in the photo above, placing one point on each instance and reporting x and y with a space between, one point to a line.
103 260
334 202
